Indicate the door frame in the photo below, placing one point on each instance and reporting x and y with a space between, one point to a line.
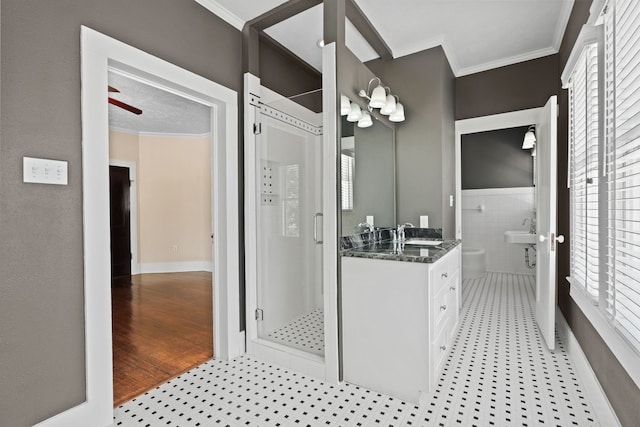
99 53
133 209
483 124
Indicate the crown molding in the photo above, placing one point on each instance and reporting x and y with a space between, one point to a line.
563 20
222 12
527 56
166 134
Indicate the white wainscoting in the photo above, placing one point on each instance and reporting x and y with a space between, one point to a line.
487 214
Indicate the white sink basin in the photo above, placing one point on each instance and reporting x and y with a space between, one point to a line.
520 237
422 242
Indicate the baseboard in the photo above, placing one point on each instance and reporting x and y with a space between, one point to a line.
603 410
175 267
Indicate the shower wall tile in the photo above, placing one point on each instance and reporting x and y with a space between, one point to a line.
487 214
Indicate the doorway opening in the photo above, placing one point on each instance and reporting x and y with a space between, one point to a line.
160 182
545 237
99 54
498 201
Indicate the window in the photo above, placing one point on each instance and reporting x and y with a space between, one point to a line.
346 173
622 118
604 137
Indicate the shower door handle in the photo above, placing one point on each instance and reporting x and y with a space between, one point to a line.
315 228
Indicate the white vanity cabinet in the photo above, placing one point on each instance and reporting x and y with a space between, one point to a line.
398 321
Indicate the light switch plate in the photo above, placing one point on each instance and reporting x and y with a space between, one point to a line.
44 171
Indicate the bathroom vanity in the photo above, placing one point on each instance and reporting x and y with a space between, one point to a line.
400 305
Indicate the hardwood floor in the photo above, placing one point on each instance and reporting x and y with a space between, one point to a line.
162 327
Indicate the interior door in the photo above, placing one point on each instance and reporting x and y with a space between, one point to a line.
119 202
546 134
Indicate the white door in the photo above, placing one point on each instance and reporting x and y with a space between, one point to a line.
546 134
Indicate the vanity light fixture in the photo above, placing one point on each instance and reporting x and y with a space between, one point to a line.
529 138
355 114
381 97
345 105
365 121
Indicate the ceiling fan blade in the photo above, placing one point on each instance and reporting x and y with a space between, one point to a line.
112 89
127 107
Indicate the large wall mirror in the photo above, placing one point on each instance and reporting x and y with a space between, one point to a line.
368 175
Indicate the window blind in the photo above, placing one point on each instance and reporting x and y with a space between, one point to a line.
583 126
622 121
346 173
577 117
593 177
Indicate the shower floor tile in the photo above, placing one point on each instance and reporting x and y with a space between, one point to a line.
304 333
498 373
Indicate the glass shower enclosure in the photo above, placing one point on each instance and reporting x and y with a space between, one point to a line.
288 222
283 174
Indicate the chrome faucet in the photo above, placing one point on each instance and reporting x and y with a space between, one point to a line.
401 230
532 224
364 227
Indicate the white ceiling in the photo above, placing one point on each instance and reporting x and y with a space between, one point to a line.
307 30
476 35
162 112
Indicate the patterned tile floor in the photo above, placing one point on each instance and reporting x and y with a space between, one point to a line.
304 333
498 373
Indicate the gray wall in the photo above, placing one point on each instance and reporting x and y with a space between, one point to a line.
288 75
41 270
529 85
515 87
495 159
425 141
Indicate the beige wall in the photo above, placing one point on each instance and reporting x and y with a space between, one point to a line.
124 146
174 195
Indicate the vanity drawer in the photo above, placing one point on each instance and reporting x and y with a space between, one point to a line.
439 351
444 309
442 271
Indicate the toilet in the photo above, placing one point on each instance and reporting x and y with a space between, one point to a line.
474 263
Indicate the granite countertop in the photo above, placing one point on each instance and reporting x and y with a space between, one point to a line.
387 250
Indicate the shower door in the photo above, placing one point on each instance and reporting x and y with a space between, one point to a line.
288 222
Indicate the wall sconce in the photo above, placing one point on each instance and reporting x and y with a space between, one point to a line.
385 101
529 138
